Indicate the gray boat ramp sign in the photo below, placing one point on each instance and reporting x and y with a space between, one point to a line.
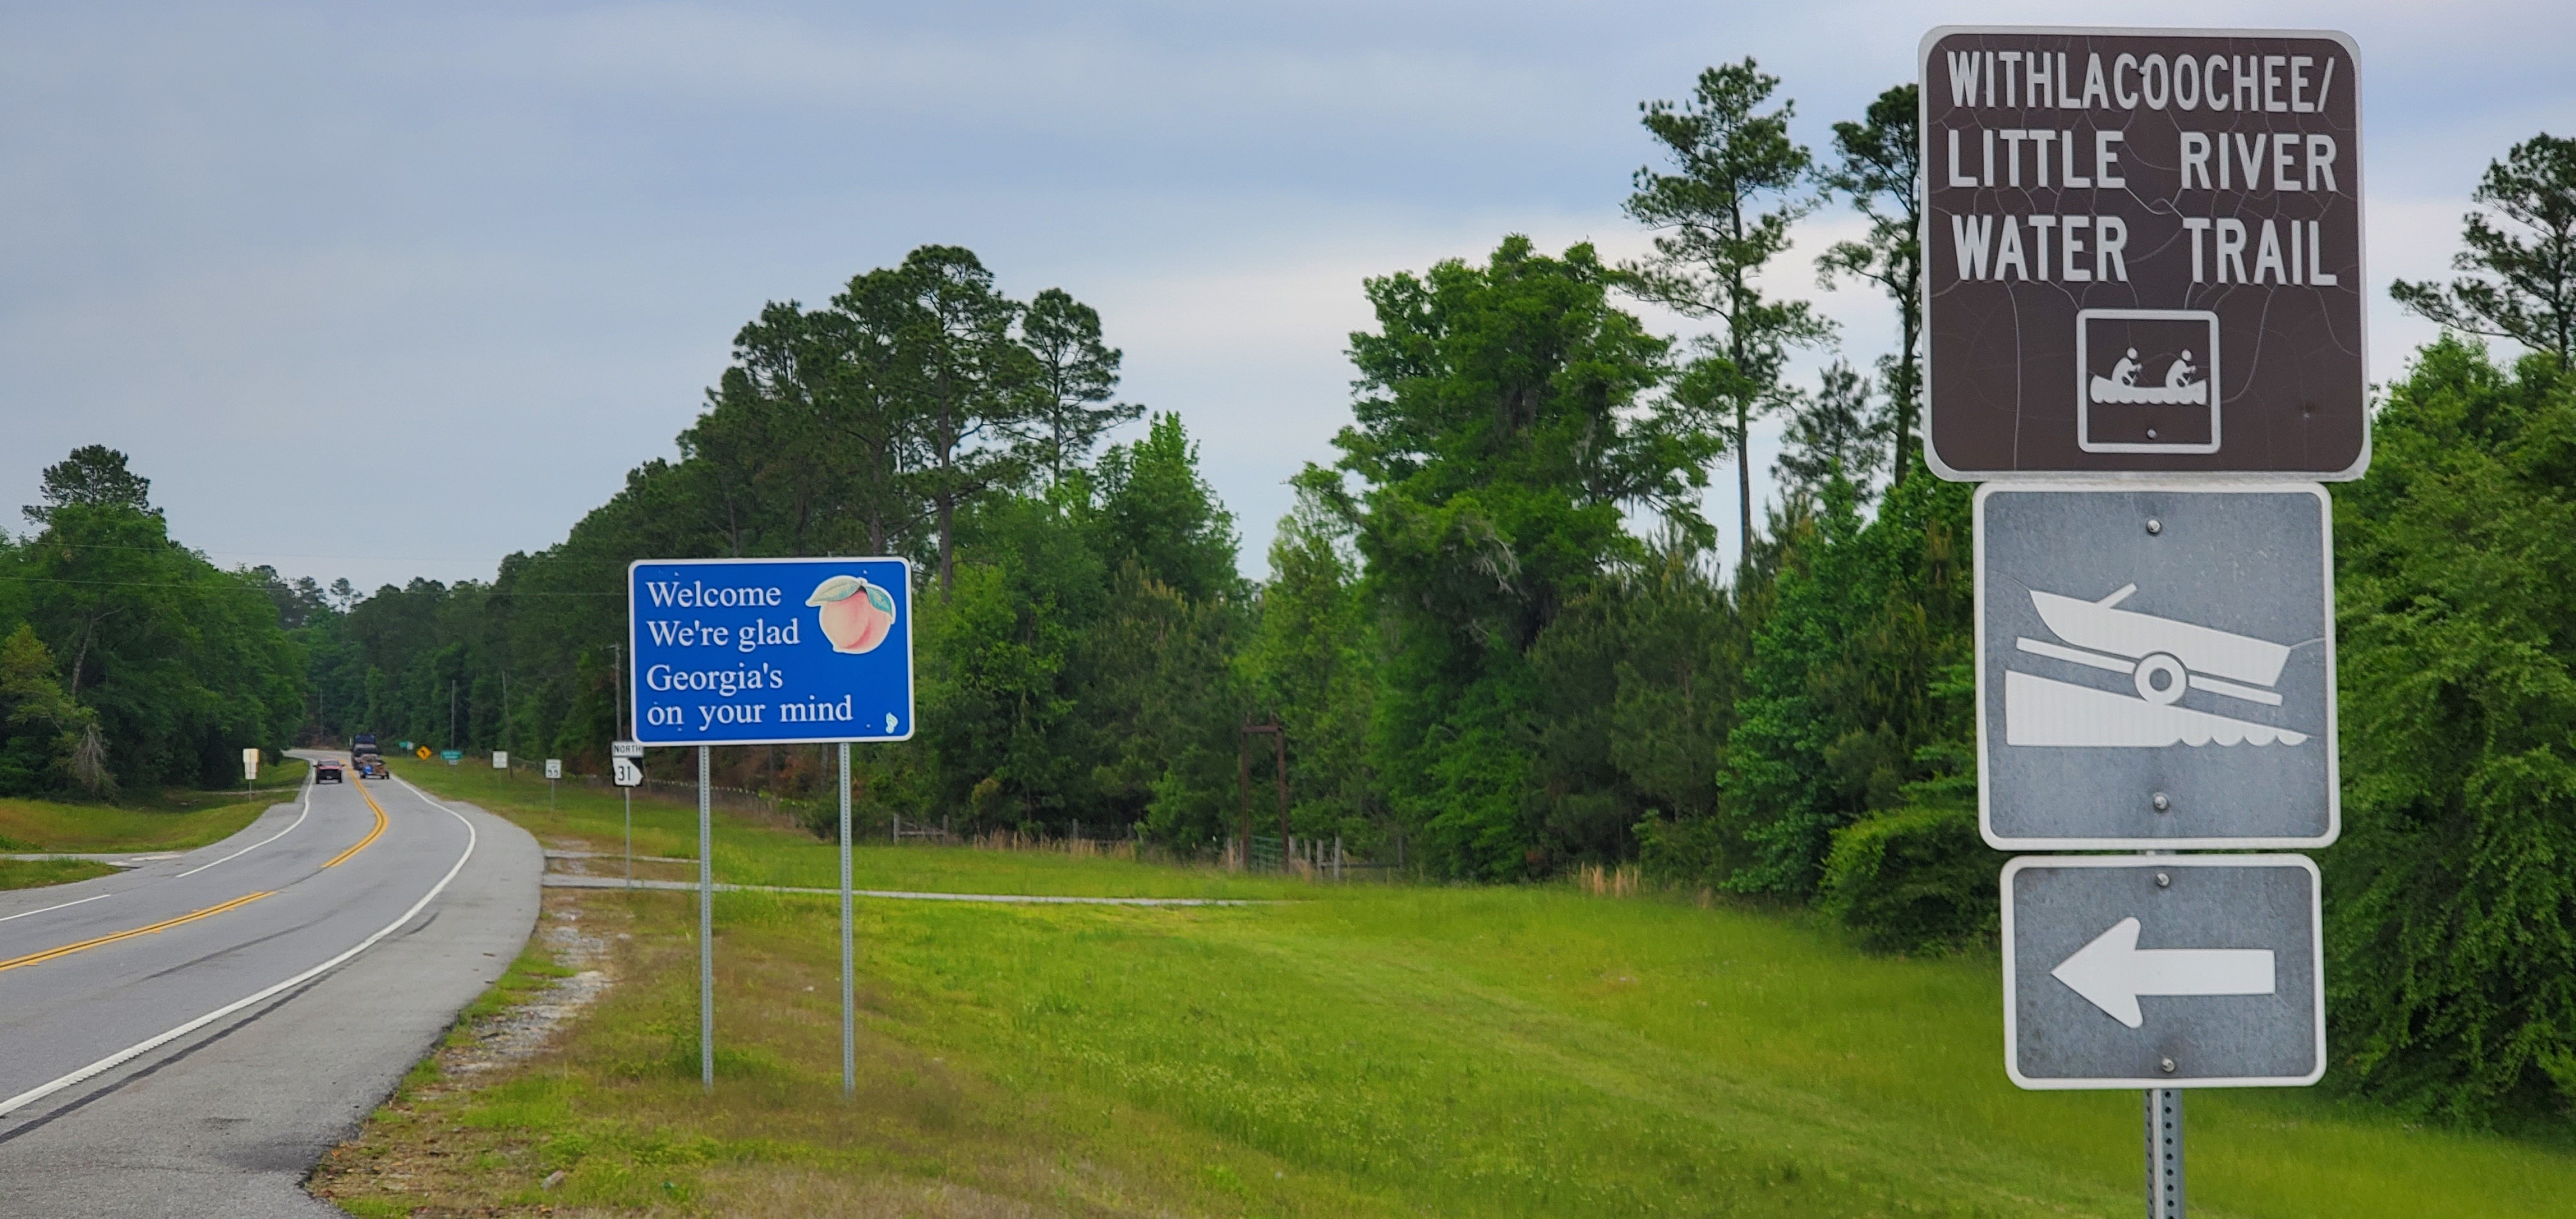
2155 666
2163 971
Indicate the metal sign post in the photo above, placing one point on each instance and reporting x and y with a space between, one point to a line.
2142 255
849 976
2164 1153
706 925
768 652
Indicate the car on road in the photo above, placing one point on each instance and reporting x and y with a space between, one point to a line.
371 768
328 772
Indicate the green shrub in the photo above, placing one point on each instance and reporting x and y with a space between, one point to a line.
1913 879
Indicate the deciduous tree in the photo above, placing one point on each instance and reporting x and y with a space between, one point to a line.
1502 428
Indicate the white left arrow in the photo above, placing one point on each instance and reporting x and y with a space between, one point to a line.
2112 972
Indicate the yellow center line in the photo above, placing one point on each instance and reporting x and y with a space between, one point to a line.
164 925
372 835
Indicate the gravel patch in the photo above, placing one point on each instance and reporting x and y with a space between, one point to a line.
522 1030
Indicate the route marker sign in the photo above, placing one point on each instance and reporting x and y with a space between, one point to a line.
2189 971
2142 252
2155 666
554 768
626 772
770 651
626 749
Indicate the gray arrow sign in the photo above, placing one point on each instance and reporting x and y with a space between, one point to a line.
2155 666
2163 971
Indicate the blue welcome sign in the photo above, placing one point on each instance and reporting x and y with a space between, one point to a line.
770 651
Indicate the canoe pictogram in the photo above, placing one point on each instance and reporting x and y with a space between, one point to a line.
2180 387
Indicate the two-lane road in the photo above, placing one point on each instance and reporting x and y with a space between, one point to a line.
187 1037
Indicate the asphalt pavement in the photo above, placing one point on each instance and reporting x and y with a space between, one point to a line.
188 1037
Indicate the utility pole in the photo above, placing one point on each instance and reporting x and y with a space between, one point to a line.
1278 734
1243 787
451 715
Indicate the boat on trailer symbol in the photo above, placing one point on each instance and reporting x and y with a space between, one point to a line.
2163 658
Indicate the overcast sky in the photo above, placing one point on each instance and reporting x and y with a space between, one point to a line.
380 291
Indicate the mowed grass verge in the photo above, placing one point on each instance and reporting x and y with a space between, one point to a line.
173 820
37 873
1363 1051
752 853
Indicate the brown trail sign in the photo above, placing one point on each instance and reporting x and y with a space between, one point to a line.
2142 253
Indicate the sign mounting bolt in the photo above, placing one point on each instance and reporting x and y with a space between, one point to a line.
2154 526
2168 1065
2164 880
2162 804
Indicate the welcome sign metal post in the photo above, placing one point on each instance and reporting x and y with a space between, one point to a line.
2143 278
770 652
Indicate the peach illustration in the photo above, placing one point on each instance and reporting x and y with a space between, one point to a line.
856 615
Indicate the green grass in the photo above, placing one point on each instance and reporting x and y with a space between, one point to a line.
751 853
1370 1051
172 820
37 873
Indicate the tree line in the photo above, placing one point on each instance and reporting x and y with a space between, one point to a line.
1494 629
129 662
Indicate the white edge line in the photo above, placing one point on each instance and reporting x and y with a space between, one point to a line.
128 1054
290 828
24 913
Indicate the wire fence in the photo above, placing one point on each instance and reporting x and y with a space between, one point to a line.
1311 858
